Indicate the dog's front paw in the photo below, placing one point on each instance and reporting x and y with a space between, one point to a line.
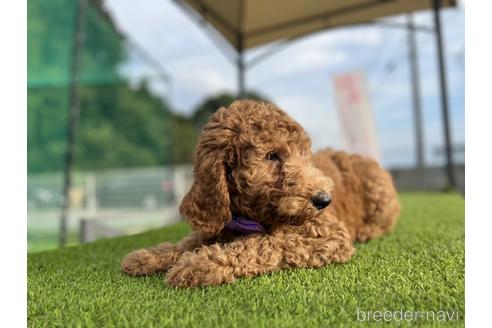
139 263
150 260
195 270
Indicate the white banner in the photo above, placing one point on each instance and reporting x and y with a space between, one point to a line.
355 113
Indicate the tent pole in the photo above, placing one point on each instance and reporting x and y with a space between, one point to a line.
240 75
415 79
73 115
241 67
436 4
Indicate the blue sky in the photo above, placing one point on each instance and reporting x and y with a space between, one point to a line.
299 77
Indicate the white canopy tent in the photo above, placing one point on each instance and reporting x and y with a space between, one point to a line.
250 23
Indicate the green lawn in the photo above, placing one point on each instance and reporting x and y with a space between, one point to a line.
46 240
419 267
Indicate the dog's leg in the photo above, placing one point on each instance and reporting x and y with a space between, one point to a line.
158 258
311 245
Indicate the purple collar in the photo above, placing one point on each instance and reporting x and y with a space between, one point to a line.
243 225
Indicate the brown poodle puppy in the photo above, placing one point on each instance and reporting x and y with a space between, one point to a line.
260 200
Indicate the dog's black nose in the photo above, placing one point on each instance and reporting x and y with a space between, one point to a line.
321 200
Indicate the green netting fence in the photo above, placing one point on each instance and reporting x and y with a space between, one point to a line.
117 113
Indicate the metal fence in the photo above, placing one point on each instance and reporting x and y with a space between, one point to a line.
108 203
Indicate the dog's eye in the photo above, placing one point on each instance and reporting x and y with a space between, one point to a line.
272 156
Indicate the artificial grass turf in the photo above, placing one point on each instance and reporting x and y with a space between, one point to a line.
418 267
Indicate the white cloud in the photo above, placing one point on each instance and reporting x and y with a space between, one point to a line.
364 36
203 80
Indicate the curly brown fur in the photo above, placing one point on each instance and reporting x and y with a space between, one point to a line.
253 160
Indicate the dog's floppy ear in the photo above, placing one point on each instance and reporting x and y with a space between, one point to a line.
206 207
